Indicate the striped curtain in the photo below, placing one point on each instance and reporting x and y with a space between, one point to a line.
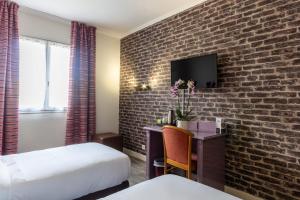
9 77
81 119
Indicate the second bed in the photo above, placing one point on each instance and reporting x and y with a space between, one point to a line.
170 187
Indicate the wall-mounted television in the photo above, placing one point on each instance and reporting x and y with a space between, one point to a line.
202 69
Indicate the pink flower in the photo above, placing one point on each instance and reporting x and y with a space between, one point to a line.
191 84
180 83
174 91
191 87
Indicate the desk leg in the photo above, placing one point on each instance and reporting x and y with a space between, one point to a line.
211 162
154 150
200 161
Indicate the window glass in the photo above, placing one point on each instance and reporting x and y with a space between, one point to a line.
58 75
32 74
44 75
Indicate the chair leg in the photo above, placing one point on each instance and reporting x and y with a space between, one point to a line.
189 174
165 169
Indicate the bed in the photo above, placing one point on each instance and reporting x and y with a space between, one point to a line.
170 187
62 173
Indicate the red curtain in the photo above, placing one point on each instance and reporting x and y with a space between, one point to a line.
9 77
81 119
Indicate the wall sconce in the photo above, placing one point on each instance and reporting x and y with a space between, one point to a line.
142 87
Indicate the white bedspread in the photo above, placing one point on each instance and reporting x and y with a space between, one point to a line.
62 173
170 187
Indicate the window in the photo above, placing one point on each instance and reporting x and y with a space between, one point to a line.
44 75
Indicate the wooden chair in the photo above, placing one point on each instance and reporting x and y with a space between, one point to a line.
178 149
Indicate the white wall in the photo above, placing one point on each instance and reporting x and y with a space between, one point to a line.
41 131
39 25
45 130
107 83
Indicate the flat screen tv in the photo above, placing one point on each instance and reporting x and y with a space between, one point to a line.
202 69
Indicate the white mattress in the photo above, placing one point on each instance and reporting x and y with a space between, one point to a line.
170 187
62 173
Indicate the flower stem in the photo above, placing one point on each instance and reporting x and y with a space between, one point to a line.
178 101
188 103
183 102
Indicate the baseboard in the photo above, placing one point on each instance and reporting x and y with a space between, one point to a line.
240 194
134 154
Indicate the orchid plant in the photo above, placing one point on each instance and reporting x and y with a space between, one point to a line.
183 92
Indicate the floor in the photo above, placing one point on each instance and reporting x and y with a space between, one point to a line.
138 171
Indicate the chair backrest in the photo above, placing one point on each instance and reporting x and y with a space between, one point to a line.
177 144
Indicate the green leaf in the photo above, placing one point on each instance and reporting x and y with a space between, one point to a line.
178 114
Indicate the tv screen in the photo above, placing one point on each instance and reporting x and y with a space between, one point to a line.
202 69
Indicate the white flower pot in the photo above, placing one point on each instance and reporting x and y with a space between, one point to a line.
183 124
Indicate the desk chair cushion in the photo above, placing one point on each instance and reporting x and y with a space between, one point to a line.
176 145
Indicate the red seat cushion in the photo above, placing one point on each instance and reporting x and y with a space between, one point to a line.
174 139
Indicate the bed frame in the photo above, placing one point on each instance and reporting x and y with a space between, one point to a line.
106 192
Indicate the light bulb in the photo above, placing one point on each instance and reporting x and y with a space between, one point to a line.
144 86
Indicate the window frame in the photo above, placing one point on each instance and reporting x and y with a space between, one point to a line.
46 108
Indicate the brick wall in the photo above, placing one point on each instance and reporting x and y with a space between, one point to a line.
258 44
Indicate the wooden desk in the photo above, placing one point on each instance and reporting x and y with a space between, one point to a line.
209 146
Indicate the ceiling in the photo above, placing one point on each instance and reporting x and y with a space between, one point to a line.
119 17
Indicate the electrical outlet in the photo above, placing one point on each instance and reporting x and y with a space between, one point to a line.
143 147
